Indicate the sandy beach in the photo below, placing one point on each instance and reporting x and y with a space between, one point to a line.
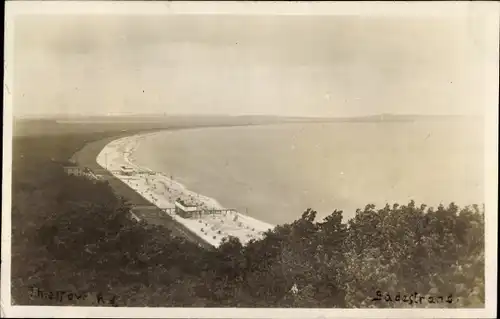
161 191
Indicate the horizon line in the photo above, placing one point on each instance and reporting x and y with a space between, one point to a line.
156 114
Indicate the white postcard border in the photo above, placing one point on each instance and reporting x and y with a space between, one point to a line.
399 9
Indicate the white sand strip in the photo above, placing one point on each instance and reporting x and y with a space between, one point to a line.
162 191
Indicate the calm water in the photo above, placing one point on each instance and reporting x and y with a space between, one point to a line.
276 172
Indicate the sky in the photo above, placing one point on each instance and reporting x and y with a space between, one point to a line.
255 64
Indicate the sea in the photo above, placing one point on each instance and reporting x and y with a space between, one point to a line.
276 172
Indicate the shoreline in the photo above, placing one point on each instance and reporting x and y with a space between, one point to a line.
87 157
158 190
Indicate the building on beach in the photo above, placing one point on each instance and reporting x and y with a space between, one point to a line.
80 171
185 210
127 171
73 170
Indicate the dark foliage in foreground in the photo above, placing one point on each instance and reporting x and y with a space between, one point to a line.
69 233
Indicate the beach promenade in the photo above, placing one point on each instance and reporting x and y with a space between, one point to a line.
154 196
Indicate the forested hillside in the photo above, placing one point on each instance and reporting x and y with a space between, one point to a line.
74 235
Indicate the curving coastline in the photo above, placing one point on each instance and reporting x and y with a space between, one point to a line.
161 191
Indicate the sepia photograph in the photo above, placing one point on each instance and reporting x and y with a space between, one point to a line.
250 159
